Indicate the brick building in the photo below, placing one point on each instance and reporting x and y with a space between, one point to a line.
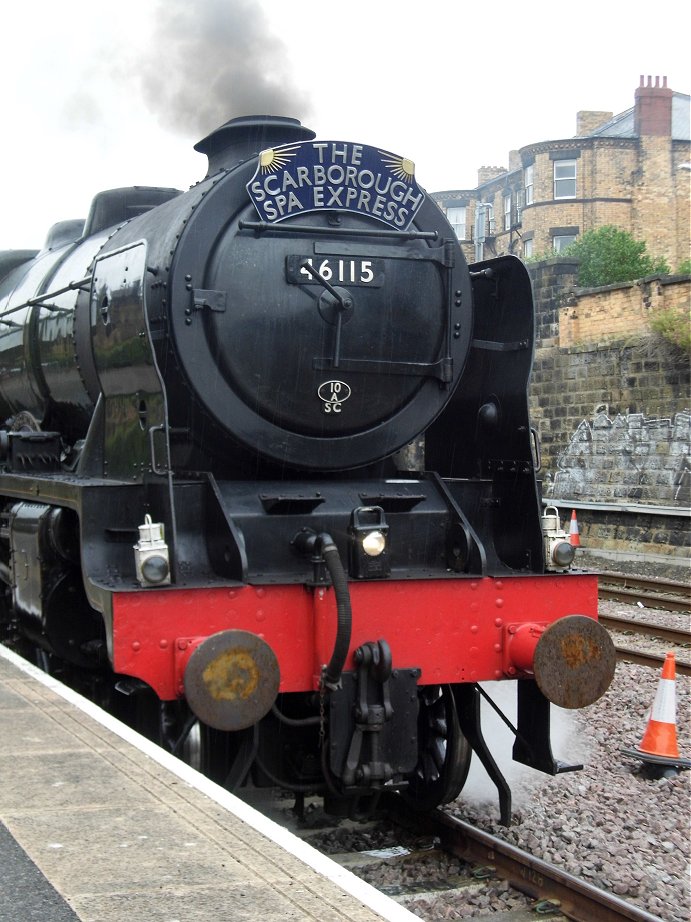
632 170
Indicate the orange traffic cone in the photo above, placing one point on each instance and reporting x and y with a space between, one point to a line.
659 744
660 737
574 538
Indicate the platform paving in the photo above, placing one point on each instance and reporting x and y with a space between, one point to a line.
99 825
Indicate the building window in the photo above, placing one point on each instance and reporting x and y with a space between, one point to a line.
456 218
527 249
528 180
562 241
565 179
506 208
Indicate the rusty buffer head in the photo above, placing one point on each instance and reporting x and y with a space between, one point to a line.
231 680
574 662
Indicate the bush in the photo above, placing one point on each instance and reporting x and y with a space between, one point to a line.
674 326
609 255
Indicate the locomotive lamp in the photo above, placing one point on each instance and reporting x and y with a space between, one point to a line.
559 553
368 555
151 556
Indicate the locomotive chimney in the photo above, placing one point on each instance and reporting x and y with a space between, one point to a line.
244 137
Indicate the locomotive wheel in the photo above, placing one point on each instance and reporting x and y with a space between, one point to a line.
444 752
224 757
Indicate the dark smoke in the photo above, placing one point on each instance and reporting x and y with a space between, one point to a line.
214 60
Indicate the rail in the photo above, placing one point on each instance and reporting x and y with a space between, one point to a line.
675 635
574 898
652 660
653 593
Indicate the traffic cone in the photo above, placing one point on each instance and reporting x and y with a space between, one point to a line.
660 737
659 749
574 538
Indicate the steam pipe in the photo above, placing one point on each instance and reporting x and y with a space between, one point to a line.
323 549
332 675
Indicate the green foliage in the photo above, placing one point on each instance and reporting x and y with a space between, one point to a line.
674 326
609 255
538 257
684 268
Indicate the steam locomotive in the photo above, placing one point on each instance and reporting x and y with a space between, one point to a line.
268 480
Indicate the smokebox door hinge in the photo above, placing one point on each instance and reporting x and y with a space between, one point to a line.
213 300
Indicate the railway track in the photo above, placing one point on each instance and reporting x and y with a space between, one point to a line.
555 892
654 660
680 637
419 870
653 593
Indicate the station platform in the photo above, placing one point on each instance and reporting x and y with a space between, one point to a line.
100 825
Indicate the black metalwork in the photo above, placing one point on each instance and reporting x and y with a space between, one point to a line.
468 701
256 390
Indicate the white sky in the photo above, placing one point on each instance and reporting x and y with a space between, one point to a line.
99 95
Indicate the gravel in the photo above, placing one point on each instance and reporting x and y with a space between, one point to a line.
611 824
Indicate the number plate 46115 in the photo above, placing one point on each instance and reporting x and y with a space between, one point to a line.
337 270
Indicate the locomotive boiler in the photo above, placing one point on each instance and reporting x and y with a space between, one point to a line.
268 480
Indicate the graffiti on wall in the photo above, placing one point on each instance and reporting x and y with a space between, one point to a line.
628 459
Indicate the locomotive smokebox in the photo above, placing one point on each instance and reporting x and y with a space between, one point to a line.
242 138
231 680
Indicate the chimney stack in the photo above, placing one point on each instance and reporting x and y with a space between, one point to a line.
587 121
653 114
487 173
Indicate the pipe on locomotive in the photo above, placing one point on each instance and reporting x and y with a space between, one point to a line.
322 549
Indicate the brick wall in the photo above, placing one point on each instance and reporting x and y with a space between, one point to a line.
618 312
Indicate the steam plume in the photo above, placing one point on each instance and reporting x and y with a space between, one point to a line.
216 60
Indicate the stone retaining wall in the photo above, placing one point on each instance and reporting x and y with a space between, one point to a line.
611 400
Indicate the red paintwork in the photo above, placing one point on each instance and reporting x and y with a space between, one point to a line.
455 630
